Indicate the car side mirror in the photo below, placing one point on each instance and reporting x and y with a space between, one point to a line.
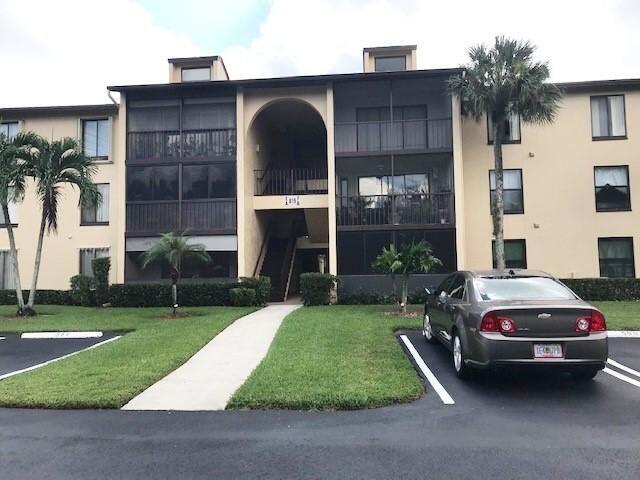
443 296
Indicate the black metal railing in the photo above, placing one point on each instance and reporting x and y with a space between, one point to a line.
171 145
420 134
210 215
291 181
405 209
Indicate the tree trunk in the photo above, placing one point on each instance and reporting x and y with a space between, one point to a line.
497 212
404 293
36 268
395 288
14 259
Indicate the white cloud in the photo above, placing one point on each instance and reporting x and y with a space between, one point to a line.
66 52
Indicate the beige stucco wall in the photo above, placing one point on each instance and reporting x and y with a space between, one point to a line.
560 224
61 257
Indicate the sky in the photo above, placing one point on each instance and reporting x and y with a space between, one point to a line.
66 52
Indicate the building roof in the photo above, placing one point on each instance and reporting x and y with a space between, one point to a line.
181 60
292 81
391 48
104 108
601 85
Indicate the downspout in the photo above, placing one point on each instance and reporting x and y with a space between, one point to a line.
112 99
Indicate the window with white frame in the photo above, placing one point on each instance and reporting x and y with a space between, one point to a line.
9 129
7 280
196 74
511 129
607 117
87 255
99 214
95 138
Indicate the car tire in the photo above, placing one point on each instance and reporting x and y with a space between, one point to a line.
459 365
584 375
427 331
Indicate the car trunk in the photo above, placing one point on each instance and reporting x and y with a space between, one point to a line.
544 320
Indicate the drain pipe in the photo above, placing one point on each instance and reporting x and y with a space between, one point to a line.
112 99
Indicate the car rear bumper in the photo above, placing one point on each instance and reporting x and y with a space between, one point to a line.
495 350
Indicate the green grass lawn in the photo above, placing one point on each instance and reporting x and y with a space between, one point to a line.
621 315
112 374
339 357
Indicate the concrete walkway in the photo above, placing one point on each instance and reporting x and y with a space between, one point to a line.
209 378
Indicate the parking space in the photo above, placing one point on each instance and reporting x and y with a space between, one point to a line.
614 389
20 353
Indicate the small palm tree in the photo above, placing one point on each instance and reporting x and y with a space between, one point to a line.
54 165
172 250
14 156
413 258
497 83
388 262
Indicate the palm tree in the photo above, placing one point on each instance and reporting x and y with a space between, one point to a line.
388 262
414 258
14 156
54 165
172 250
499 82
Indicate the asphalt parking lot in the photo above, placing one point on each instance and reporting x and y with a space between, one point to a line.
506 390
24 352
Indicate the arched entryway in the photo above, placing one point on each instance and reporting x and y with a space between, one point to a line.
288 152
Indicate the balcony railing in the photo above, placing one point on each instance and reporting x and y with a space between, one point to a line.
291 181
409 209
171 145
397 135
201 216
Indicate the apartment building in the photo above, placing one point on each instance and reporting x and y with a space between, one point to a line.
286 175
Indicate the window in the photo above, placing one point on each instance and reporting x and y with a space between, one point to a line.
6 271
390 64
9 129
607 117
208 181
456 290
220 266
198 74
513 198
98 215
86 257
522 288
152 183
511 129
616 257
95 138
612 188
515 253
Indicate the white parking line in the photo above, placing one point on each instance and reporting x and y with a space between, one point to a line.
622 377
33 335
624 368
33 367
437 386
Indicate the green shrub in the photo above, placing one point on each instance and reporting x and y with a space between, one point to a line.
81 290
43 297
159 294
101 267
242 297
598 289
316 287
262 287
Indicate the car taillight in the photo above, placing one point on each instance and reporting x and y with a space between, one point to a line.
593 323
492 322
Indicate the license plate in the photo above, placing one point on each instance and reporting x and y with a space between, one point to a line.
547 350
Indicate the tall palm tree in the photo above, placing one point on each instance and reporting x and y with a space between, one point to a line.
54 165
497 83
172 250
14 156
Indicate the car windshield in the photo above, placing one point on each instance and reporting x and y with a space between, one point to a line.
522 288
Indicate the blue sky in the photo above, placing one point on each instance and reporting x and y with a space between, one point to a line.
236 22
68 51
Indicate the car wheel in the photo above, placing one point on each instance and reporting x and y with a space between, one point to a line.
462 371
584 375
427 331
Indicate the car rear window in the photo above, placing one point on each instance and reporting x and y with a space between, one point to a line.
522 288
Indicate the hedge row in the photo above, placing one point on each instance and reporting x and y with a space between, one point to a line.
599 289
361 297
